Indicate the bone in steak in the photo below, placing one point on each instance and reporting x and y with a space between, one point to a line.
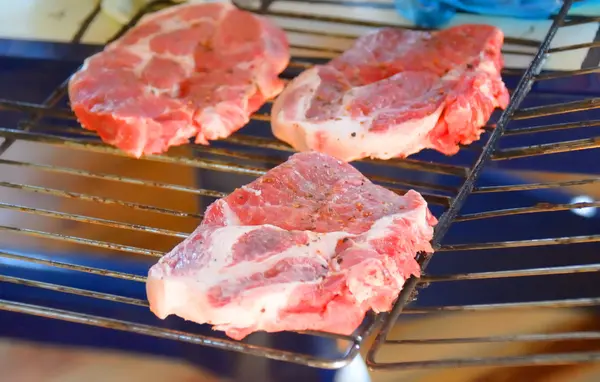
311 245
193 70
395 93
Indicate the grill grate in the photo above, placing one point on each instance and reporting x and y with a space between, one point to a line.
445 182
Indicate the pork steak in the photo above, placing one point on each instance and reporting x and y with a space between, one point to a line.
192 70
311 245
395 93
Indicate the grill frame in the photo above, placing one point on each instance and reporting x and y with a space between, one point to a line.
27 132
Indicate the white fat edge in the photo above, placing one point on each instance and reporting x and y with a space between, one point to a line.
284 128
321 246
273 302
86 62
396 141
251 190
217 271
381 228
231 218
309 78
486 65
212 125
142 50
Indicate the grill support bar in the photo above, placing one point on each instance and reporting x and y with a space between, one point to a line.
447 219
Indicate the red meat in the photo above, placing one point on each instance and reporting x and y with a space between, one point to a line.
311 245
193 70
395 93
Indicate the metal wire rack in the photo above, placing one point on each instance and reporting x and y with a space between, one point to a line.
246 155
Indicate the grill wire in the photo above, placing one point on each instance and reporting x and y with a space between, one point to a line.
63 134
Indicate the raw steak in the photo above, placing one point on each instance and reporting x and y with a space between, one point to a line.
193 70
311 245
395 93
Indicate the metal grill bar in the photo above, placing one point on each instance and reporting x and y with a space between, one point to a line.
272 144
74 291
92 220
115 178
547 128
34 115
570 303
73 267
98 199
82 241
408 164
535 186
450 215
97 147
518 273
365 23
511 338
566 74
543 207
521 360
549 148
548 110
207 164
592 44
223 344
521 243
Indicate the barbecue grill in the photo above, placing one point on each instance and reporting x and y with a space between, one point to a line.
495 249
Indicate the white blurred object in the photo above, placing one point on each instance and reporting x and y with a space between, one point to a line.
586 212
356 371
124 10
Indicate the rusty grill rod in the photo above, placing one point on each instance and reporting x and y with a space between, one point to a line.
82 318
82 241
203 163
273 144
520 360
517 273
546 337
72 267
568 303
114 178
541 207
547 148
520 243
555 127
561 108
92 220
535 186
98 199
74 291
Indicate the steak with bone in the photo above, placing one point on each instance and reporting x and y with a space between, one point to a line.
395 93
310 245
192 70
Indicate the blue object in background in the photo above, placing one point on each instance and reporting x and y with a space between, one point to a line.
435 13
